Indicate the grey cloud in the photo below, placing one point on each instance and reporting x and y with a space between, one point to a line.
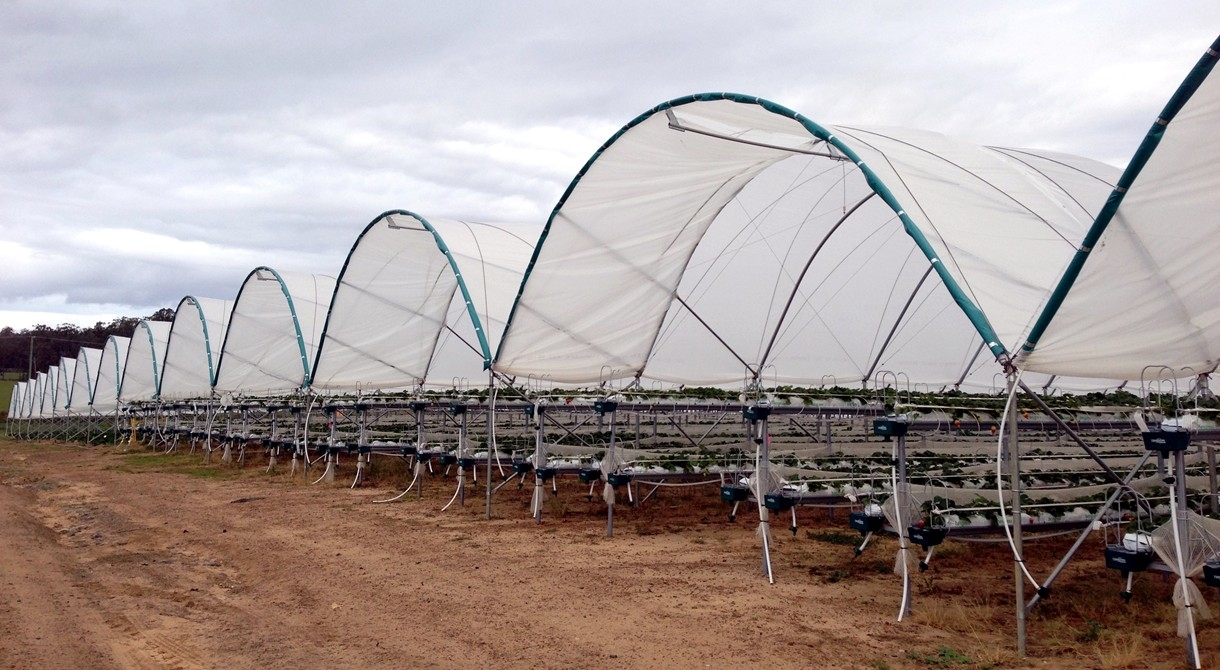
273 132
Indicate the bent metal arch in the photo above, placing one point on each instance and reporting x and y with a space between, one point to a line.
273 332
722 237
420 300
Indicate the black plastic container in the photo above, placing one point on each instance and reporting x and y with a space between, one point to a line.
734 494
1211 572
890 427
756 412
865 523
1166 440
1121 557
927 536
778 502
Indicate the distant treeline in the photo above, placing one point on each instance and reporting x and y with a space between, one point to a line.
51 342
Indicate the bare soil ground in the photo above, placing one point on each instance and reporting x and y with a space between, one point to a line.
116 557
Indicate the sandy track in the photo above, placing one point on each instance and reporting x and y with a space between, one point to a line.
109 568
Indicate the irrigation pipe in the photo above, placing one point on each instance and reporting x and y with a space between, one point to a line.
703 483
999 482
1031 538
899 502
1183 580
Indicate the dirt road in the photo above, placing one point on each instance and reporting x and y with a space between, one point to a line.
124 559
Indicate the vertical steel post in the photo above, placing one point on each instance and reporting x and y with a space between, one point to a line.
1211 479
1014 475
491 432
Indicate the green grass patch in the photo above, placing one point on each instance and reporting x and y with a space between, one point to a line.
945 657
839 537
182 464
6 394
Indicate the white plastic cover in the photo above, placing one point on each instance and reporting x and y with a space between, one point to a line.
142 371
1147 293
43 386
109 374
273 332
1200 538
27 398
15 399
16 406
720 240
85 375
418 295
63 383
193 349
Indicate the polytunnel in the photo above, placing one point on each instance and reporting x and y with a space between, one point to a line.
193 348
31 398
43 401
27 387
32 395
1141 290
47 403
63 383
83 378
273 332
110 374
421 299
1138 299
141 378
721 238
17 401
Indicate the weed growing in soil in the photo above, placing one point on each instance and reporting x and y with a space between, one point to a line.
945 657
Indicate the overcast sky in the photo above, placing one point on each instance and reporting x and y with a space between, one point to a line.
151 150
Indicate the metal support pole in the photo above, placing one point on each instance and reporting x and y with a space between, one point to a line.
1113 476
1014 475
419 443
764 514
1084 534
539 461
1211 479
491 433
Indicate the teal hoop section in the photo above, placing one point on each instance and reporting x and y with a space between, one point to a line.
976 316
296 324
1151 140
484 347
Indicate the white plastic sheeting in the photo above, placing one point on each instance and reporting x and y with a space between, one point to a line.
417 294
273 332
110 374
1200 538
1147 293
17 402
721 238
83 378
63 383
724 239
142 372
193 349
43 390
29 397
